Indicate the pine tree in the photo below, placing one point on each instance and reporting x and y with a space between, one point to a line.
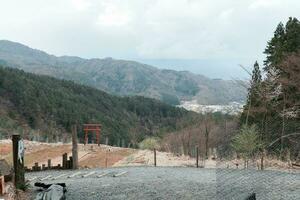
286 40
254 96
274 49
280 92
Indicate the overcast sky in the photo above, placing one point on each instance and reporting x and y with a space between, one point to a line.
214 35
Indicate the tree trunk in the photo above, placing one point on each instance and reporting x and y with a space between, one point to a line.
262 161
283 129
248 112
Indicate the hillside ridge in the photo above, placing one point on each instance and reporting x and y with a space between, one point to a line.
124 77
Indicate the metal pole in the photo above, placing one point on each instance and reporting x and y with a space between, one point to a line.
197 157
154 157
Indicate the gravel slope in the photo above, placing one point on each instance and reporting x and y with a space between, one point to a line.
178 183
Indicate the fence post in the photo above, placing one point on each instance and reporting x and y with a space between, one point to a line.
154 157
64 160
75 147
70 163
18 161
197 157
105 158
36 166
49 163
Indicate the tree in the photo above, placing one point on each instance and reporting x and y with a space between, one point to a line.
273 104
274 49
150 143
286 39
254 96
207 127
291 82
247 142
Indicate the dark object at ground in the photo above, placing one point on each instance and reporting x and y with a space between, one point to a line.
251 197
46 186
51 191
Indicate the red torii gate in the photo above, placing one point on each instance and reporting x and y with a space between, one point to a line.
92 127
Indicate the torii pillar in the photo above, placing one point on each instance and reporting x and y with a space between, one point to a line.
96 128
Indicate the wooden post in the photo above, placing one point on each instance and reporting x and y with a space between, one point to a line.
262 160
98 137
64 160
197 157
75 147
154 157
49 163
86 137
70 163
106 159
36 166
18 162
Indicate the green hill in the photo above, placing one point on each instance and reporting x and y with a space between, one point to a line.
49 106
124 78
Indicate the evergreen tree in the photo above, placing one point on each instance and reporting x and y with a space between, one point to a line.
286 40
254 96
273 104
274 49
281 94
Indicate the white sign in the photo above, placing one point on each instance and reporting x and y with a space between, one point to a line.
21 150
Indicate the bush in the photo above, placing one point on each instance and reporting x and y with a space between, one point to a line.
149 143
247 142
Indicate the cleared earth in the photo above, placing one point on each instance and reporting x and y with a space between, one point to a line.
176 183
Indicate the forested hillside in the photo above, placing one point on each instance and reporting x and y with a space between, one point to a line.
269 126
122 77
273 103
50 106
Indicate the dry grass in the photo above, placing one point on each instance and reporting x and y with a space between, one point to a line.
104 158
89 156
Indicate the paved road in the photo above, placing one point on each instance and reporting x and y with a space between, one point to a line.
178 183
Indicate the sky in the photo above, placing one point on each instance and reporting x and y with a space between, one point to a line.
210 37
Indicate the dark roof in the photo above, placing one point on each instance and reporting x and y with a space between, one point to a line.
5 168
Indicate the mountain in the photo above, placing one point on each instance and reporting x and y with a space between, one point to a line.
49 106
122 77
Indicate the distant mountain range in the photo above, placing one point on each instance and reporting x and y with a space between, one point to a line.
122 77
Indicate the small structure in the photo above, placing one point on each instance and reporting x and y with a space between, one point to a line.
96 128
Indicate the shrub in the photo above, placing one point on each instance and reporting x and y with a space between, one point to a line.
247 142
149 143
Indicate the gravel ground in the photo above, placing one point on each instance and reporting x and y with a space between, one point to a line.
178 183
